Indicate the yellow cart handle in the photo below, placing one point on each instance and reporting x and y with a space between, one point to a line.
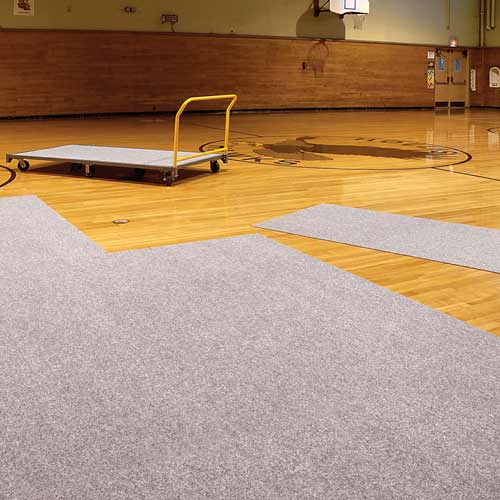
185 104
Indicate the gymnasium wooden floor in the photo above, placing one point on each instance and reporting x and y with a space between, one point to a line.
422 163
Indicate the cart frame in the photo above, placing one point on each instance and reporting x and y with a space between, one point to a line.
166 161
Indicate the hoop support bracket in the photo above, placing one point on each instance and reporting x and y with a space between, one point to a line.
320 7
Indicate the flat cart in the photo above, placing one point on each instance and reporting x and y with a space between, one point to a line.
165 161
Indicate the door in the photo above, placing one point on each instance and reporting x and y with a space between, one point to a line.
451 78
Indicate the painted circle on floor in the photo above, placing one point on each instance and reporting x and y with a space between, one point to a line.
341 153
7 175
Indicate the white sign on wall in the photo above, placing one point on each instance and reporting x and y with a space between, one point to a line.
473 77
24 7
494 77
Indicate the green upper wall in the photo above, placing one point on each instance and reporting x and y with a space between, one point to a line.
407 21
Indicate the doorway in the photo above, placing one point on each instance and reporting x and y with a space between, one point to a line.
451 78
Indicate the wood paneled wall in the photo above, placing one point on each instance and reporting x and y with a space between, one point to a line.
87 72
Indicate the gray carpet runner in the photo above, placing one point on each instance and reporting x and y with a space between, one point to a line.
236 369
459 244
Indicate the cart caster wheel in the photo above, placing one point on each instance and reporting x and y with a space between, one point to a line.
168 178
76 168
214 166
139 173
89 171
23 165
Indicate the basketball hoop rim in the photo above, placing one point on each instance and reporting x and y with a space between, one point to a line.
359 19
364 14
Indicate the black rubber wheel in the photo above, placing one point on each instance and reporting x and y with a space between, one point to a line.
90 172
76 168
168 178
214 166
23 165
139 173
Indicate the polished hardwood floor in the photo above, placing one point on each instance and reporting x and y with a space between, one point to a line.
438 165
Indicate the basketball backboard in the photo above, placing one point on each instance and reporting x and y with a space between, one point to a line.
343 7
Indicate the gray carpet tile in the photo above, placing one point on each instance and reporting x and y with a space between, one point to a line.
239 369
459 244
31 231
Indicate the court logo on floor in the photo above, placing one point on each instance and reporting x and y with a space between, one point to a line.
338 152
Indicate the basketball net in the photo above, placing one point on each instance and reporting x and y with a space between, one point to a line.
357 20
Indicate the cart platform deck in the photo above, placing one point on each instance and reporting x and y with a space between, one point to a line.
165 161
156 159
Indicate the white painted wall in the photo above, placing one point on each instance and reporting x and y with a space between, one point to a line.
493 36
420 21
410 21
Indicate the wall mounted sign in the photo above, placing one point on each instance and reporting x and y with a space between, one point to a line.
24 7
430 78
473 77
494 77
431 55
